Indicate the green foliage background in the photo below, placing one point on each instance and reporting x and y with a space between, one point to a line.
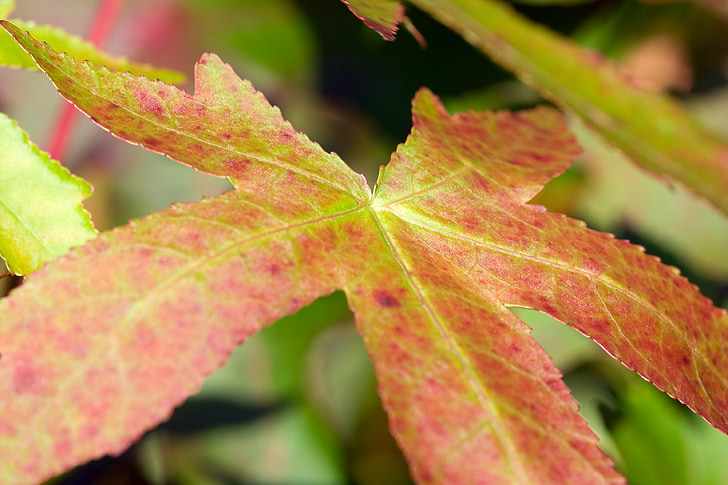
297 403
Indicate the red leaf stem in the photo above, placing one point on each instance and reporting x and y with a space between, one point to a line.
66 121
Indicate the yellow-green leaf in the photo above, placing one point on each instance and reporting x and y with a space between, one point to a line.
6 6
12 55
41 215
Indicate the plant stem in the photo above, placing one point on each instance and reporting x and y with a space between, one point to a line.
66 121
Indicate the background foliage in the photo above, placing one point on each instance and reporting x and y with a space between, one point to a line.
297 403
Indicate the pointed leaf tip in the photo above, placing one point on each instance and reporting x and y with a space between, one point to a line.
382 16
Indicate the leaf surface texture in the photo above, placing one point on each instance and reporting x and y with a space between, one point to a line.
429 263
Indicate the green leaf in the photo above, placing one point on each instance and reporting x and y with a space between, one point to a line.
12 55
133 321
6 6
41 215
382 16
655 131
653 451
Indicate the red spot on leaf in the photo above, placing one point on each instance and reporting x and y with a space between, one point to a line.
385 299
27 380
149 102
151 142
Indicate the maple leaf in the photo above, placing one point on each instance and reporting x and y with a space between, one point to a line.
583 82
102 343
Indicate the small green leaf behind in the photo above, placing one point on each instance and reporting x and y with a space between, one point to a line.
12 55
41 215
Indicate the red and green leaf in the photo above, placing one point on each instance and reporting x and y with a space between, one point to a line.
382 16
101 344
655 131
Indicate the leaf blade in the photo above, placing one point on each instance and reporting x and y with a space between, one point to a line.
41 211
429 266
140 344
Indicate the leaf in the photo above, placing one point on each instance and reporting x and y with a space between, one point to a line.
429 263
6 6
382 16
41 215
655 131
12 55
617 192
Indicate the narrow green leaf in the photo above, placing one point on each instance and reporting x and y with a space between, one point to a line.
41 215
429 264
12 55
382 16
655 131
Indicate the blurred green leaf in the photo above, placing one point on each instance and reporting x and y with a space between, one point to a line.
274 36
12 55
650 438
289 447
340 377
6 6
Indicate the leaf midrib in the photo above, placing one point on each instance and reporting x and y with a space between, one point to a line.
482 393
